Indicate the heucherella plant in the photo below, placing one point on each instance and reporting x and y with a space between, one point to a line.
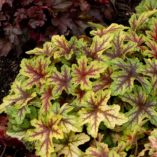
90 96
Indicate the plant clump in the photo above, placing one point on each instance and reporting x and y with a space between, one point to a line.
90 97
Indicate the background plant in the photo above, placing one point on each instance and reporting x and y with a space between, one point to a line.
90 96
26 24
31 22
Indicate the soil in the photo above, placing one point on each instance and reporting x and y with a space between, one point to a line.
9 68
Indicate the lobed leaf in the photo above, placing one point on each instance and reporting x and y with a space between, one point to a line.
63 47
101 150
97 111
46 98
69 121
146 5
104 81
152 52
119 49
152 33
18 97
69 146
151 71
98 47
138 39
35 70
18 114
137 21
124 75
47 50
62 81
83 72
113 28
45 129
143 107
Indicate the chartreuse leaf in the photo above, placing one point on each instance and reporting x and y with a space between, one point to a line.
151 146
120 47
151 71
146 5
120 149
100 150
152 33
137 21
152 51
45 130
62 81
143 107
96 111
79 96
138 39
130 138
18 114
47 50
69 145
36 70
124 75
113 28
69 121
64 48
98 47
46 98
18 97
104 81
85 70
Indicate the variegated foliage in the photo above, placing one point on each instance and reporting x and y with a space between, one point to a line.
90 97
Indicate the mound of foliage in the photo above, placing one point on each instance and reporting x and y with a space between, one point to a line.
90 97
26 23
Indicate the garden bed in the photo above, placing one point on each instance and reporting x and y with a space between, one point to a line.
118 11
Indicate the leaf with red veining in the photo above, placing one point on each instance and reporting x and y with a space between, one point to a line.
135 38
100 150
124 75
113 28
84 71
47 50
46 98
152 49
143 107
45 130
70 121
138 20
62 81
96 111
98 47
18 114
150 146
19 97
119 48
104 81
35 70
64 48
151 71
80 96
69 145
152 34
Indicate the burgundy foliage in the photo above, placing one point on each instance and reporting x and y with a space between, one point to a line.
26 24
